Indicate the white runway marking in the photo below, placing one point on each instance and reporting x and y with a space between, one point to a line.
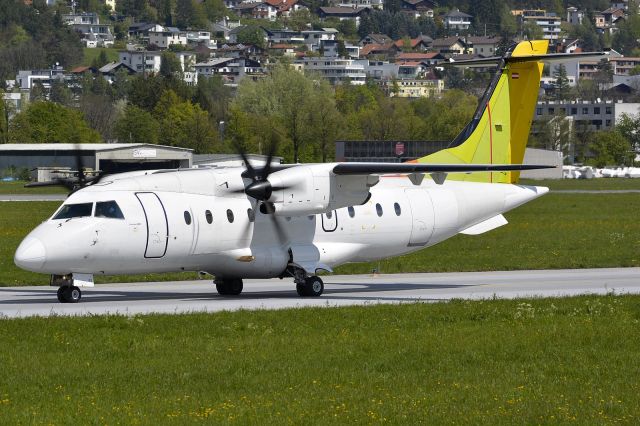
340 290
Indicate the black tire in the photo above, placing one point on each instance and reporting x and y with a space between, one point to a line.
231 287
73 294
61 297
301 290
312 287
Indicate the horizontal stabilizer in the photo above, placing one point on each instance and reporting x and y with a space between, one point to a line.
486 226
547 58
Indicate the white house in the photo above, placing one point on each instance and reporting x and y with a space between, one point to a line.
167 37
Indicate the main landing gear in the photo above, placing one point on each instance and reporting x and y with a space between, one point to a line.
67 292
228 286
311 286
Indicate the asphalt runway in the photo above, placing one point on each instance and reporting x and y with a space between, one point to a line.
340 290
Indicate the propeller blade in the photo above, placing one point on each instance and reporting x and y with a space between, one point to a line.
280 232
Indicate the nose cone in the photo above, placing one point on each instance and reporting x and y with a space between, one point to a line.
30 254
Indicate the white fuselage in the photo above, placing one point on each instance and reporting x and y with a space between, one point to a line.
192 220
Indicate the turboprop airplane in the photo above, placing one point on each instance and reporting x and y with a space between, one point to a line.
293 220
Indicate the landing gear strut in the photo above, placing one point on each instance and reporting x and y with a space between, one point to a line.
311 286
228 286
67 292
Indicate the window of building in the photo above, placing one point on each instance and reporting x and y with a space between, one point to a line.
574 111
608 110
208 216
596 110
585 110
352 211
396 207
608 122
229 215
108 209
538 111
379 209
187 217
551 110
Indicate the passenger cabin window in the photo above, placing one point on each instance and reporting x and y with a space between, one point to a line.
230 216
108 209
187 217
396 207
379 209
352 211
69 211
208 216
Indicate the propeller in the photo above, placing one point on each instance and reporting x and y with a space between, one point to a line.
261 189
77 182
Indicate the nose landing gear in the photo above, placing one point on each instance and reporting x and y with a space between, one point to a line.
67 291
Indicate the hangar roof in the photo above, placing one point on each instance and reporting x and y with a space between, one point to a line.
82 146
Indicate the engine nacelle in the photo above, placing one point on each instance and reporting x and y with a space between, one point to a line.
314 188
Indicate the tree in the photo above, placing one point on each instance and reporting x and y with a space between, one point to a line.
610 149
170 67
48 122
629 127
532 31
252 35
60 93
561 84
284 96
135 125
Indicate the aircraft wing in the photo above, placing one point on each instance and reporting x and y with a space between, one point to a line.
400 168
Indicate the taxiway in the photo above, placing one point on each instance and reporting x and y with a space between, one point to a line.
340 290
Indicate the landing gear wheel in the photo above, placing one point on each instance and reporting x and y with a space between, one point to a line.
312 287
61 297
68 294
231 287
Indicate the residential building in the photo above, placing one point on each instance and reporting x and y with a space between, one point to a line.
286 36
94 34
231 69
624 65
149 61
140 30
167 37
418 44
370 4
574 15
375 39
312 38
257 10
286 7
15 102
483 46
195 38
413 88
342 13
26 79
450 46
454 20
418 8
330 48
337 70
548 22
109 70
587 115
429 58
372 50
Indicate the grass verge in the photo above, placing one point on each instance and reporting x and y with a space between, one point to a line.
611 184
18 188
542 361
553 232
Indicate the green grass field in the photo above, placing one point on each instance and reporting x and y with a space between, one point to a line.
554 231
18 188
543 361
92 53
586 184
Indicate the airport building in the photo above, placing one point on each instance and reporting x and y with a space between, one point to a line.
108 157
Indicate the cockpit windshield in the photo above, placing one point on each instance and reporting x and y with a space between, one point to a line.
108 209
69 211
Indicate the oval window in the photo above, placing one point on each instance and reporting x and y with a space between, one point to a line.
251 215
352 211
329 215
397 208
230 215
208 216
187 217
379 209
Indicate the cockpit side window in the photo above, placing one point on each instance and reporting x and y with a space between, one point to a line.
69 211
108 209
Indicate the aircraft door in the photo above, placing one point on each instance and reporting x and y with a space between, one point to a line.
423 216
157 224
330 221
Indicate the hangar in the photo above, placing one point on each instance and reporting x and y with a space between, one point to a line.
108 157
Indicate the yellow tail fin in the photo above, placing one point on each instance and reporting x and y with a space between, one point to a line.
500 127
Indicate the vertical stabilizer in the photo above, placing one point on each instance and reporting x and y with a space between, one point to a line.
499 130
